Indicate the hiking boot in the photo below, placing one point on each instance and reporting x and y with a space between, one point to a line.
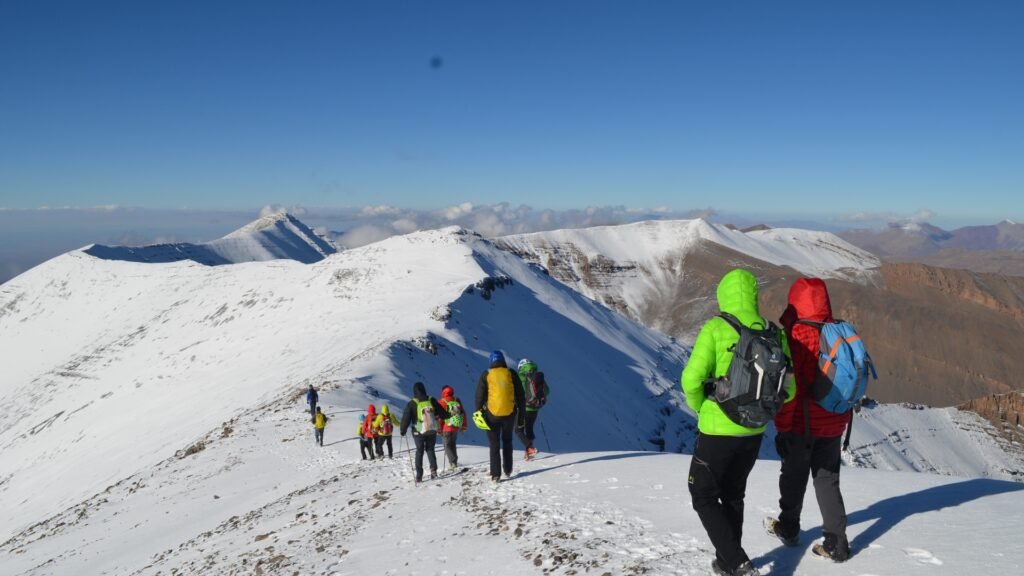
531 452
745 569
775 528
433 474
832 548
495 479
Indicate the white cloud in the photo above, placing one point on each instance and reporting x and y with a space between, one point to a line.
405 225
363 235
892 218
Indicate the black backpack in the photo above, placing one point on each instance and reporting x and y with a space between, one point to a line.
536 390
753 389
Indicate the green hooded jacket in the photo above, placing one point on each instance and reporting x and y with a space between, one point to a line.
737 295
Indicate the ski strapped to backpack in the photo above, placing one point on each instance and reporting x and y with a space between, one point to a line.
753 389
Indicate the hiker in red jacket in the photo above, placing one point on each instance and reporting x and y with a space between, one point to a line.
451 426
368 431
809 437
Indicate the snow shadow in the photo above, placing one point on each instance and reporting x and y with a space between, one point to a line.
887 514
602 458
891 511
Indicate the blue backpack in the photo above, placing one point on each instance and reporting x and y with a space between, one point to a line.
843 366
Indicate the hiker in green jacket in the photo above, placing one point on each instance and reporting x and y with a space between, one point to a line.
726 451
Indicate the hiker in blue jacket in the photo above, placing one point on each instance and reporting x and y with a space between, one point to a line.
312 398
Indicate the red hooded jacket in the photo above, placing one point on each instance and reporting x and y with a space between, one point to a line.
808 300
447 395
371 413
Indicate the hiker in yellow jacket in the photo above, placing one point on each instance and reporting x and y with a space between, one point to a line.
319 423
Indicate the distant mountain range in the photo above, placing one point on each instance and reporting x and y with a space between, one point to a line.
998 248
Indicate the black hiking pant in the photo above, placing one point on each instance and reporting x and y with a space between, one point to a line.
379 443
718 484
819 458
365 446
312 411
499 437
318 435
526 435
449 439
425 443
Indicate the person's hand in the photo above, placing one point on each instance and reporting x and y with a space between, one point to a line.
783 440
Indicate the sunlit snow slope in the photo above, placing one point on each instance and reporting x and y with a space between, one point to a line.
273 237
114 366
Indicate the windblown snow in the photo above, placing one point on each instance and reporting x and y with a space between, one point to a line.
151 422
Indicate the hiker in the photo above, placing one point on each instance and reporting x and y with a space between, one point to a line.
809 436
535 395
422 414
383 427
451 426
368 432
499 398
364 443
725 451
319 423
311 399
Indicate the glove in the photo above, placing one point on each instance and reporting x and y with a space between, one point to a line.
783 440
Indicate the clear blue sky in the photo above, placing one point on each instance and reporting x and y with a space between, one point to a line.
773 107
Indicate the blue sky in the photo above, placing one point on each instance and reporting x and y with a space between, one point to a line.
820 109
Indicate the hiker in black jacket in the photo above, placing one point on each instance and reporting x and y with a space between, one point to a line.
501 400
424 415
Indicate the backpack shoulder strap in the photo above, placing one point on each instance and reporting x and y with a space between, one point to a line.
732 320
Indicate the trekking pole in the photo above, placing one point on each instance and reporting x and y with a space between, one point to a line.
546 441
412 465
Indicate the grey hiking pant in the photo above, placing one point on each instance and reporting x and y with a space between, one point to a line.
449 439
820 459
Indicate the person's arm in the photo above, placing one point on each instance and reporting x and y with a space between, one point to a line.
440 410
520 398
481 391
699 368
410 408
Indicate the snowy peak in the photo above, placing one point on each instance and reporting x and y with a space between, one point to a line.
274 237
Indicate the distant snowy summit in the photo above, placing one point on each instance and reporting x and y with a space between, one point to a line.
274 237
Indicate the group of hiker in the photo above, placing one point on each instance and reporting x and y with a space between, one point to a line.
506 400
744 372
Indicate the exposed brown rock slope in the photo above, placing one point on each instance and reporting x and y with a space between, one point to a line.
938 336
1004 411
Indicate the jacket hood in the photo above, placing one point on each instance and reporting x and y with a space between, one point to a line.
419 391
385 410
447 392
808 300
737 295
370 411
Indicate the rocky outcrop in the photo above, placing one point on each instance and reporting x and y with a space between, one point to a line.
1004 411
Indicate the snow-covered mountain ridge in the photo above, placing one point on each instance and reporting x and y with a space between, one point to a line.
131 362
120 366
272 237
